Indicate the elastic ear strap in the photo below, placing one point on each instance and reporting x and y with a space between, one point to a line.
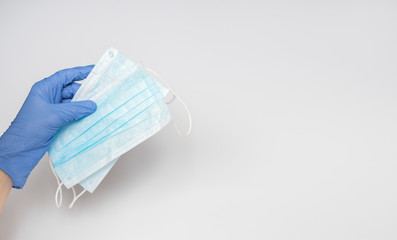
58 203
75 198
59 189
188 113
180 99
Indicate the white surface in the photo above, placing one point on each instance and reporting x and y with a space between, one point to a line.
294 109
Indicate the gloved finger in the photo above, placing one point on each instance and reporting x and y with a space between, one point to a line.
69 91
66 100
67 76
72 111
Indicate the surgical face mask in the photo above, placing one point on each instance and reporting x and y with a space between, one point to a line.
131 108
91 183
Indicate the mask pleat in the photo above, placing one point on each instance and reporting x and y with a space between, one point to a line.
130 109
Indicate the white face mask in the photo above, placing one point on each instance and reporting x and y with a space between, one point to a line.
131 108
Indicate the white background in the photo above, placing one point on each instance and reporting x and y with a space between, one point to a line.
294 109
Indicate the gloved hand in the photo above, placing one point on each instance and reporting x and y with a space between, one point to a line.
46 109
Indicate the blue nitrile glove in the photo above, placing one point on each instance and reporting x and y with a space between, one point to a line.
46 109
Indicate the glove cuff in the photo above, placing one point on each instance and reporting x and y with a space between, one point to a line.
17 182
16 158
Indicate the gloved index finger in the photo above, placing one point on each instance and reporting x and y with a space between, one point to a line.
67 76
69 91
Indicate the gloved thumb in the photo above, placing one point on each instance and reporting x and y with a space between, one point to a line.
72 111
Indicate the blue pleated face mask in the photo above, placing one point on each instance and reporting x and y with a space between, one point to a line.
130 109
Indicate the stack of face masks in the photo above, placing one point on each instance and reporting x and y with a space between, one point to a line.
130 109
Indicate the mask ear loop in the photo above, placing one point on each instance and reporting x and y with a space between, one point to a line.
59 188
75 198
175 95
58 203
